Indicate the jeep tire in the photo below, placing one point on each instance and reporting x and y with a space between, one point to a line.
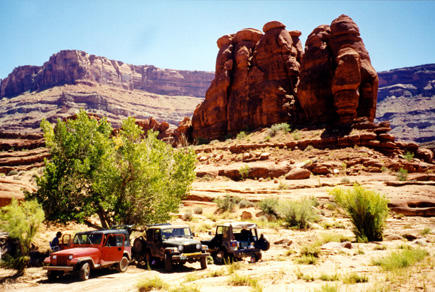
84 271
122 266
168 263
203 262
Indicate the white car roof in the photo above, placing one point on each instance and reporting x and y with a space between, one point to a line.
240 224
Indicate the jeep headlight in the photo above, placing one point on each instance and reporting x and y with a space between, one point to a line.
198 246
204 247
70 257
180 248
54 257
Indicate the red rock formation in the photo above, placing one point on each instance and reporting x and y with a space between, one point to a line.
254 83
338 82
72 66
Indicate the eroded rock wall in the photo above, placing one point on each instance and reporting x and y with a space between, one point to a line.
337 81
254 84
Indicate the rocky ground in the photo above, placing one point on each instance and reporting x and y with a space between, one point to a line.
342 263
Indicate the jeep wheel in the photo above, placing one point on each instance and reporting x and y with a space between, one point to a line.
255 258
221 257
122 266
84 272
203 263
168 263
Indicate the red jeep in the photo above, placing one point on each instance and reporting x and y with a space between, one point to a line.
90 250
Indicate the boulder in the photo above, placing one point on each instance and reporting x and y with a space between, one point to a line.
246 215
298 173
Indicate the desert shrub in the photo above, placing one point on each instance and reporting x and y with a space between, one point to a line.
244 172
345 180
241 135
296 135
269 206
239 280
21 220
283 127
367 209
227 203
298 213
402 174
327 288
401 259
197 210
150 284
332 237
409 156
426 231
309 148
185 288
329 277
187 216
266 139
354 278
245 204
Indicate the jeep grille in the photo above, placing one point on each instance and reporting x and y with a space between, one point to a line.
189 248
62 260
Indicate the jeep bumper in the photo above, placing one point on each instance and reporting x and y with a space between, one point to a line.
246 253
189 257
59 268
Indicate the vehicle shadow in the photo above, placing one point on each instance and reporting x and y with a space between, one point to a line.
71 277
159 267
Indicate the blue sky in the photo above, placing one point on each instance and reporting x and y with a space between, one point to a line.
182 34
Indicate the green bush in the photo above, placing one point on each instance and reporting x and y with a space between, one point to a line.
244 172
402 174
409 156
401 259
227 203
367 209
21 221
283 127
298 213
269 206
241 135
150 284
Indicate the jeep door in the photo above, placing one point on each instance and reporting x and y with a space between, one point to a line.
113 249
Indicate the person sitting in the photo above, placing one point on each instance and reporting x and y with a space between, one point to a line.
55 244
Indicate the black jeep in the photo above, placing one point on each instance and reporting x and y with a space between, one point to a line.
169 244
236 240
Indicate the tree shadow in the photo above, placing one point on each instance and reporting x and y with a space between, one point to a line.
11 278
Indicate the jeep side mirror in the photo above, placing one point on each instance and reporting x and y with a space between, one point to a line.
193 234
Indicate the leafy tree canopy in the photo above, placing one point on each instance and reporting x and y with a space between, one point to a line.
123 178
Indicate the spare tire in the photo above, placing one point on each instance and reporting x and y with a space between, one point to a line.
138 249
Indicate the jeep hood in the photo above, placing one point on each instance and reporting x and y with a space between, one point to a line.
176 241
78 251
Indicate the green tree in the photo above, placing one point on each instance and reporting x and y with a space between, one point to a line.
21 220
124 179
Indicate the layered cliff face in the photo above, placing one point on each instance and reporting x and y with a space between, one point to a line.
407 100
72 67
337 81
254 84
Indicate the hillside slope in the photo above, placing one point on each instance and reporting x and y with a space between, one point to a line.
406 98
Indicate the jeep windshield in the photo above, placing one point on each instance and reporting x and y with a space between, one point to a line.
176 232
87 239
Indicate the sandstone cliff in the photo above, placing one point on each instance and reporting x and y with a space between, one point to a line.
265 78
254 85
72 67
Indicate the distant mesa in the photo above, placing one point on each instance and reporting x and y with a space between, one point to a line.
266 78
73 66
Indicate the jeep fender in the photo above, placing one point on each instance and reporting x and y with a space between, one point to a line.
87 259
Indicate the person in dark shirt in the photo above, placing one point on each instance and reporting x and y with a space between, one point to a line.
54 244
